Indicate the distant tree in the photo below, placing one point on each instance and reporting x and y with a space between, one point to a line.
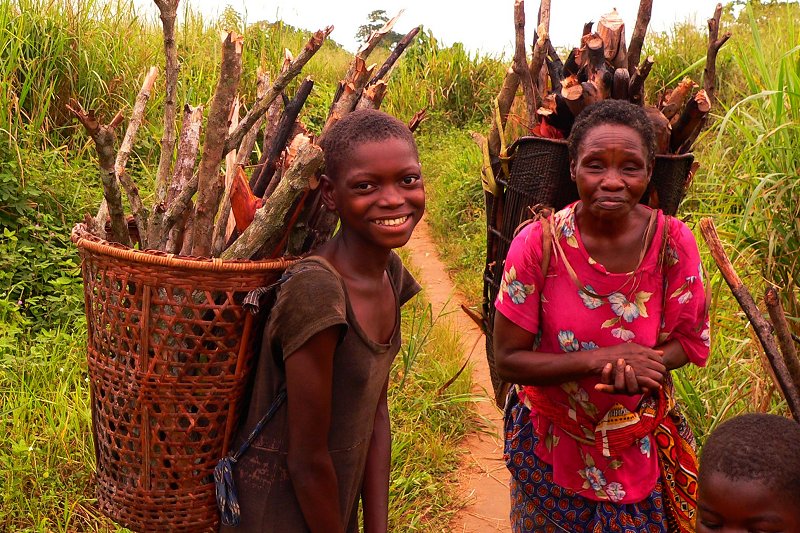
375 21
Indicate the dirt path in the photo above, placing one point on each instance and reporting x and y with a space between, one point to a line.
484 478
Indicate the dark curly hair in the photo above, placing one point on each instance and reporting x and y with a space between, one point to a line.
754 447
612 112
358 127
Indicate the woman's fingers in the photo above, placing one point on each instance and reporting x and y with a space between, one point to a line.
619 375
631 384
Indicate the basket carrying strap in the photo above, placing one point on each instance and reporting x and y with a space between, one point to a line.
227 498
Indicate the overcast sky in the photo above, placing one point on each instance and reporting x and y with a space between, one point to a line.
485 26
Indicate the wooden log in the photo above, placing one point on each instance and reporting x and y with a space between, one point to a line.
603 79
662 128
210 185
555 67
639 31
260 182
221 223
104 138
621 84
611 29
710 71
636 89
579 96
761 326
270 221
168 10
505 98
587 28
689 120
352 88
540 46
372 97
243 202
280 83
520 64
675 99
784 335
594 57
188 147
573 63
397 51
715 42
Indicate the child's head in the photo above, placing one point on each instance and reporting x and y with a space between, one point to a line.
373 179
749 476
357 128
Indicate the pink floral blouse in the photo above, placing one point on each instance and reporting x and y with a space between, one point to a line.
573 320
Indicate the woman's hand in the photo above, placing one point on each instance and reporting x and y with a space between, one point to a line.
634 369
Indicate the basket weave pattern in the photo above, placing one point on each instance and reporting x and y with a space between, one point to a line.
170 350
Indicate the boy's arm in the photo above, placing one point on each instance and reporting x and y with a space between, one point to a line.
375 489
309 382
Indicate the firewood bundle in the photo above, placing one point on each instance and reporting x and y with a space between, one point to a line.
604 66
209 202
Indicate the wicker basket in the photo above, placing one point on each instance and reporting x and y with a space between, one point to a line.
539 176
170 351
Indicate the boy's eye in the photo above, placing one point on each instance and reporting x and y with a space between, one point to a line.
410 180
363 187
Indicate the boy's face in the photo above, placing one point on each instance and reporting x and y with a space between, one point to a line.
726 506
378 193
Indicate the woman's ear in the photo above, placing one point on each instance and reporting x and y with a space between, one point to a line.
572 170
650 166
328 192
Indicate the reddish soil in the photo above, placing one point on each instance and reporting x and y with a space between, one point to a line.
483 479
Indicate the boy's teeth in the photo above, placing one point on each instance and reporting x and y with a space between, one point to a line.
391 221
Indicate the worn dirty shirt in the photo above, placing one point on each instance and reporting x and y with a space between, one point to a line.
312 299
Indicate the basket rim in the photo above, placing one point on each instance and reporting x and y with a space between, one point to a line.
85 240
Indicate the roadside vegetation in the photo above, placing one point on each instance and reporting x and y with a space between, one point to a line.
99 51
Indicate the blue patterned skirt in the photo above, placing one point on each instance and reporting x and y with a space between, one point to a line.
538 504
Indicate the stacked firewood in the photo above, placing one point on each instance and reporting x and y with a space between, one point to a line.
223 206
604 66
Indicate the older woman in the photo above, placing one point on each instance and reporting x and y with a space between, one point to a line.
592 441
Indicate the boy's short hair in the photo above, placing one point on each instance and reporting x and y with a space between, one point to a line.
359 127
756 447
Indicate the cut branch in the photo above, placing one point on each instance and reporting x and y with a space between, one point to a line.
104 139
188 145
352 85
714 44
124 152
261 106
676 97
621 84
555 67
372 97
398 50
639 31
520 64
168 11
781 325
636 90
210 184
259 182
611 29
541 45
690 120
761 326
221 225
270 222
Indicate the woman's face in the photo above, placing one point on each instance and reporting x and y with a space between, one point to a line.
612 170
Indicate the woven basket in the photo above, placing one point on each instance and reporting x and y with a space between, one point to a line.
170 350
539 176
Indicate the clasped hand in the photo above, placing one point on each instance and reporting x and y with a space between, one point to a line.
631 369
